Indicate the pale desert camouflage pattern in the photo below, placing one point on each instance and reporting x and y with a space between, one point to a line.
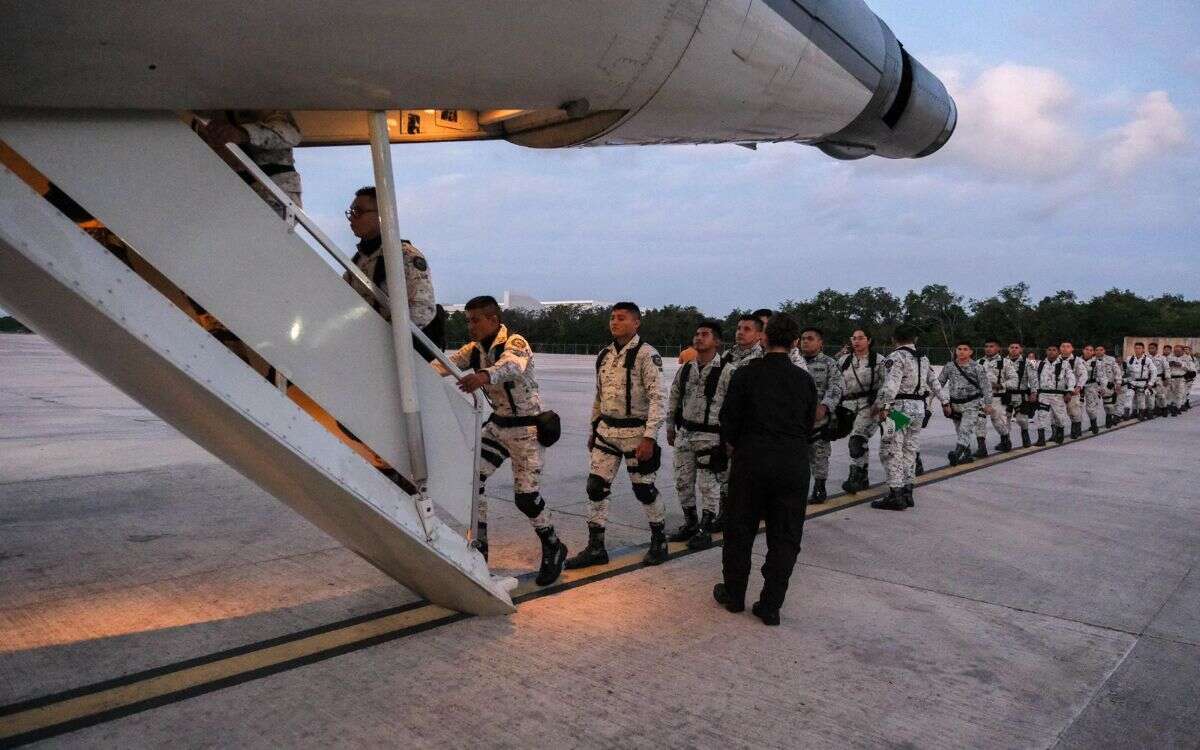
956 385
605 466
1058 376
1140 375
904 372
646 399
827 377
509 365
520 445
422 304
860 380
1002 376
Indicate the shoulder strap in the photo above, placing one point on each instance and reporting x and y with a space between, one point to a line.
685 372
710 388
600 358
974 383
630 360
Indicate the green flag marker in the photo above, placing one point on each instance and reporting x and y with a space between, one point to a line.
901 419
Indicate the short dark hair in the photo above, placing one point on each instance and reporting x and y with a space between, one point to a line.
750 317
368 191
630 307
1139 343
963 342
782 330
991 341
485 303
865 332
711 325
763 312
905 334
814 329
1072 343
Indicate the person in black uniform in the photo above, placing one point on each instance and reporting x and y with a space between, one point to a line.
767 421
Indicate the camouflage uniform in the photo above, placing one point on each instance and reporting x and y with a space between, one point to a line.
1054 381
738 356
1002 378
1112 392
1160 382
906 385
628 407
698 432
827 377
1177 391
509 433
1095 382
1022 393
273 134
862 382
1140 375
966 398
797 359
1075 405
421 305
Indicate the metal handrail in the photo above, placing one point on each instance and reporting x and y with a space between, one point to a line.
293 214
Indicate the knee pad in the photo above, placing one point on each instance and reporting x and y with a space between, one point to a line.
858 446
597 488
645 493
530 503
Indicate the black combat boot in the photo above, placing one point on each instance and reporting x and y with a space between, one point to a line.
554 556
1095 429
893 501
689 528
593 554
1076 430
857 481
1041 441
718 524
727 600
1059 435
1174 410
702 539
981 451
908 496
480 540
766 614
1025 442
920 468
952 456
818 495
657 554
1005 444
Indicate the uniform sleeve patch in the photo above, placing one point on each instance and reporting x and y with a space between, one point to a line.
518 343
657 360
888 363
420 264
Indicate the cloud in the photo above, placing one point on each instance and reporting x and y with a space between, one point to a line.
1157 128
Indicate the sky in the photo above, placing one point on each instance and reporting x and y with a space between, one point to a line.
1074 166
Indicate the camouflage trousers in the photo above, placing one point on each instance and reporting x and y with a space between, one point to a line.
1093 403
865 425
1112 401
818 454
1052 411
1138 399
606 459
1160 394
898 449
999 419
966 417
521 446
692 460
1179 391
1075 408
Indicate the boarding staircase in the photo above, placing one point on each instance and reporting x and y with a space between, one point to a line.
174 201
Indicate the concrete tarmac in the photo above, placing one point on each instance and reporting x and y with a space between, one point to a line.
1051 601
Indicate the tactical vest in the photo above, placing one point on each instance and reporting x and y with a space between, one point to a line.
630 360
710 393
872 389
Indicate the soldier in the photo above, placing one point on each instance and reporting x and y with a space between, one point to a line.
828 379
1112 393
695 432
1158 385
765 315
862 372
905 384
1189 375
1002 378
502 366
1019 398
1095 384
1055 382
1176 385
626 414
364 223
965 382
1140 375
746 339
1074 403
268 137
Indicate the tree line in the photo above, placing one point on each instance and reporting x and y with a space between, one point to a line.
941 317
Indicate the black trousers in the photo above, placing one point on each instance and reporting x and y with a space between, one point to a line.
765 484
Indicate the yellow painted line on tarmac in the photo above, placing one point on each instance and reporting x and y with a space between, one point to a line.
60 713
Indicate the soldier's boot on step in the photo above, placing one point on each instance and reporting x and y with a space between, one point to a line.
593 554
818 495
657 554
920 467
908 496
1005 444
691 524
702 539
857 481
1059 435
1041 441
480 541
893 501
554 556
718 524
1095 429
981 451
1025 442
1076 430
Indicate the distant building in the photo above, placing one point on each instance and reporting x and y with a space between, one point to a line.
521 301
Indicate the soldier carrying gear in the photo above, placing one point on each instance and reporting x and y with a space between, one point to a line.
863 372
502 367
1094 385
626 415
1055 382
827 377
694 404
966 383
1112 392
1074 402
1002 379
1159 383
1189 374
1176 384
267 136
1021 402
906 385
1140 374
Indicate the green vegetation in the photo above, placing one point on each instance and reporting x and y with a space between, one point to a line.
940 315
